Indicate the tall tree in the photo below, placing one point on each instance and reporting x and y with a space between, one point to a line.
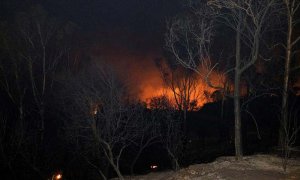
184 85
100 117
249 21
291 8
288 126
40 37
189 42
12 71
170 128
31 49
13 82
147 133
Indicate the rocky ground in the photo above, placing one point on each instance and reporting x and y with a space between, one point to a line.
257 167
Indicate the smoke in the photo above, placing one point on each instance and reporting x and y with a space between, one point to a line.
136 66
134 61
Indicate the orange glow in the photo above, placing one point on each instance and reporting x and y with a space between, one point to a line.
143 76
155 87
58 176
94 108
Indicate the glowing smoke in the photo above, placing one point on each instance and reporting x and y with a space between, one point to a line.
139 68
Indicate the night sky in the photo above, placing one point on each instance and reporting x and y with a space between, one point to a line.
128 34
143 18
131 21
83 93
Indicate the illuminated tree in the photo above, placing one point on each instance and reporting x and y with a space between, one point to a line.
183 85
160 103
249 20
189 40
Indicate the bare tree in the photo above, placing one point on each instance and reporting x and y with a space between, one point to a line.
147 134
183 84
100 115
31 49
172 137
249 21
290 130
170 128
189 37
291 7
12 74
40 38
11 142
160 103
247 18
13 83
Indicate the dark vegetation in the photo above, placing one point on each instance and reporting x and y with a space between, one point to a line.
209 135
62 113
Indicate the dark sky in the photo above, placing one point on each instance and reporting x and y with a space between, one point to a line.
129 33
132 15
136 25
137 16
126 33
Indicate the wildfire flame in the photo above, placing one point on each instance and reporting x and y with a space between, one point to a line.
145 80
201 95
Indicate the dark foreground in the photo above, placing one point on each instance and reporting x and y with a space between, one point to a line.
257 167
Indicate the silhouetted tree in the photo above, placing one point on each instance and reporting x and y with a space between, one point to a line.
189 41
31 48
291 8
147 134
100 117
172 136
41 39
184 86
160 103
249 21
170 129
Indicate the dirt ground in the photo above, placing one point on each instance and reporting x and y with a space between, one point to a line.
257 167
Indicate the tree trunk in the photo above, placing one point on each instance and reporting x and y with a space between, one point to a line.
185 121
117 171
42 123
237 111
134 161
237 117
21 119
284 106
174 161
175 164
113 164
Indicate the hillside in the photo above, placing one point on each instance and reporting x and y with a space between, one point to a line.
257 167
